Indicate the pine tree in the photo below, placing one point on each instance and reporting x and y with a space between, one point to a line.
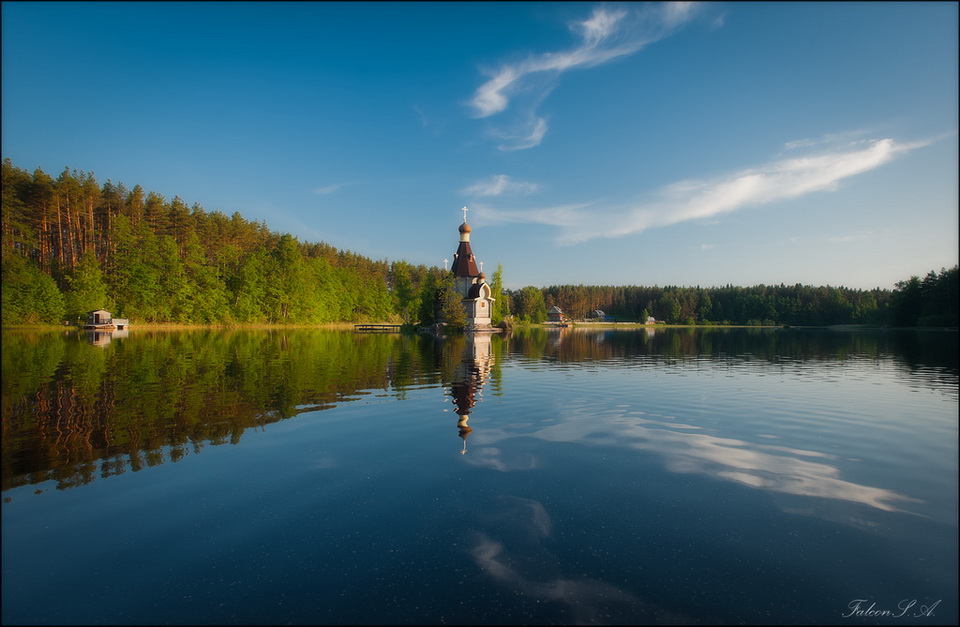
500 306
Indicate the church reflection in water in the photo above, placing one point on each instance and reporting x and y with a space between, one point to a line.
471 373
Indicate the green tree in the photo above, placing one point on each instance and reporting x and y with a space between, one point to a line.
177 294
938 293
135 280
531 306
374 300
907 301
250 292
29 295
669 308
404 291
429 296
18 229
451 305
501 306
289 291
133 204
156 214
86 288
210 298
705 307
179 224
327 290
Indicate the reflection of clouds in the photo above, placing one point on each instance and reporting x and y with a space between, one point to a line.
737 460
532 571
324 463
768 467
493 457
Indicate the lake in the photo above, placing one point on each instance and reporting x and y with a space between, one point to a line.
563 476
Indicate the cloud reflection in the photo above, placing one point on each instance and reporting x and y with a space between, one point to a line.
529 569
494 458
767 467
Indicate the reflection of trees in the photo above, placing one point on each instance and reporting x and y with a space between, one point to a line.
73 411
935 351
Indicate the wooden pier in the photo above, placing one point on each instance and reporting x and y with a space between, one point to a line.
377 328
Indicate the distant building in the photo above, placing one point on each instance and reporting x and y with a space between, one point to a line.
556 315
650 320
597 314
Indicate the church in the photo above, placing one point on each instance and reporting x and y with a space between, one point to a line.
471 283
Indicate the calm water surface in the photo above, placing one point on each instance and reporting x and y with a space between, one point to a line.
713 476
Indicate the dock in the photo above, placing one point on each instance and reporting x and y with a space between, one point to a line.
377 328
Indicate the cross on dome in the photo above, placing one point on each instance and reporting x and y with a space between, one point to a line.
464 210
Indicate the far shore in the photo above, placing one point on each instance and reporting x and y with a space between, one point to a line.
180 326
176 326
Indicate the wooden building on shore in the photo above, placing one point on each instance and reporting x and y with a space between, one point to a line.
101 319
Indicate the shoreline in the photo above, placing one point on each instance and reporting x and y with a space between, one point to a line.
177 326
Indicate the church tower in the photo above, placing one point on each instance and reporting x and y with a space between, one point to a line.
470 282
465 270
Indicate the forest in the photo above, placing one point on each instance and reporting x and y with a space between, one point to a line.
71 245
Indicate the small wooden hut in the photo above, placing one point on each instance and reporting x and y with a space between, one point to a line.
103 319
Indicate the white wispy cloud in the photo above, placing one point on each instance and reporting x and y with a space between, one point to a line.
329 189
829 139
499 185
700 199
856 237
608 34
424 119
531 135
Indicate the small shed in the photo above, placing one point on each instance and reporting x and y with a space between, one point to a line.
99 318
103 319
650 320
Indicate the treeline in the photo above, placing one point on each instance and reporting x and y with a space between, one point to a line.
757 305
931 301
71 245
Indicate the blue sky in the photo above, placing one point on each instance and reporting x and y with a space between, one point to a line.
617 143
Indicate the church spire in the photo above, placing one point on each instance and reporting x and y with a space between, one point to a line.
464 263
464 228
